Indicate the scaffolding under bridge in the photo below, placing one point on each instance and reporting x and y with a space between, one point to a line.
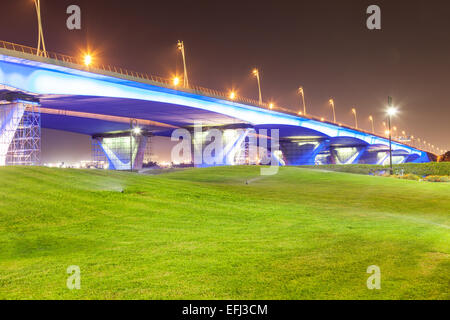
20 133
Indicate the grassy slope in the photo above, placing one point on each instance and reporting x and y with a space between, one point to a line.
204 233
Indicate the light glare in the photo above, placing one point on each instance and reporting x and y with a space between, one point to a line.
87 60
391 111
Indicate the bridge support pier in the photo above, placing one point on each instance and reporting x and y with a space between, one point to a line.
232 146
20 133
302 151
117 149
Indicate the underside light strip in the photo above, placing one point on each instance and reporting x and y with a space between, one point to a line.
87 115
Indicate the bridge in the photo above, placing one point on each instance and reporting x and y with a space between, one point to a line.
59 92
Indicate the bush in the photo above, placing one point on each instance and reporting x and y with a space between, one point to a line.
411 176
437 179
419 169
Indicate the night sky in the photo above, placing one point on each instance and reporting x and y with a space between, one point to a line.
323 46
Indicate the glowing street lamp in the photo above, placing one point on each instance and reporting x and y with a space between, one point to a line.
371 121
356 119
331 102
176 81
256 74
137 131
300 91
232 95
391 111
87 60
271 106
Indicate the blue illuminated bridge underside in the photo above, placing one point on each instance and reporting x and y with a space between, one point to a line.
76 100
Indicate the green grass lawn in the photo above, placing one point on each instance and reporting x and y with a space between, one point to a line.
205 234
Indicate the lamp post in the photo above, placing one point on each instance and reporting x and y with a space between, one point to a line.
300 91
180 45
356 119
134 129
37 4
371 121
391 112
256 74
331 101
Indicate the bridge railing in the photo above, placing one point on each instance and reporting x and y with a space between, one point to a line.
129 73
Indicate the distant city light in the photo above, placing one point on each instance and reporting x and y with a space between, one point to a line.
232 95
137 130
270 105
176 81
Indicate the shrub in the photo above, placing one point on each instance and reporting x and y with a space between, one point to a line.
411 176
419 169
434 178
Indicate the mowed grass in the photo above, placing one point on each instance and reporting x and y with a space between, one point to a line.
206 234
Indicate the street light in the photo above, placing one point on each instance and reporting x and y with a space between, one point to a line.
271 106
256 74
371 121
176 81
37 4
134 130
331 101
356 119
391 111
87 60
232 95
180 45
300 91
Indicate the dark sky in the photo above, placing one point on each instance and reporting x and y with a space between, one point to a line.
323 46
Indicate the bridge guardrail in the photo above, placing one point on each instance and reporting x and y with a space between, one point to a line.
125 72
